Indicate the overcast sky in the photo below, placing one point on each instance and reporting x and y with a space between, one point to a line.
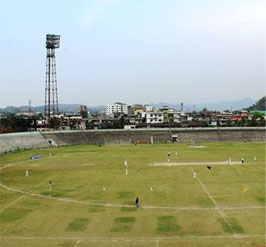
134 51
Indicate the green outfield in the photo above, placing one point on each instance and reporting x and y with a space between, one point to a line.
91 200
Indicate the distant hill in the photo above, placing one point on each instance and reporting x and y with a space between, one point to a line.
69 108
227 105
218 106
260 105
215 106
62 108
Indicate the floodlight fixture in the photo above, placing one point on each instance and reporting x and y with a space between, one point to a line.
52 41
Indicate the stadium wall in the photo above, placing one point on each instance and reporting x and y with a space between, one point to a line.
32 140
25 140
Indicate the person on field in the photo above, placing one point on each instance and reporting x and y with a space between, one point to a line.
26 173
194 174
242 161
137 202
168 157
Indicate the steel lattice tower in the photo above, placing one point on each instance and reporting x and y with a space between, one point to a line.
51 94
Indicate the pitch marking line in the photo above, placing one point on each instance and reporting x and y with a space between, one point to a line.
125 205
133 239
216 205
11 203
21 197
19 162
2 168
219 210
76 245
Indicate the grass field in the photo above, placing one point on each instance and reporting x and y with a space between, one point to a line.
91 199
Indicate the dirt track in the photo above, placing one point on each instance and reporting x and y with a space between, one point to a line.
195 163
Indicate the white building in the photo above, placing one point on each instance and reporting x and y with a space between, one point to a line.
153 117
174 116
148 108
116 108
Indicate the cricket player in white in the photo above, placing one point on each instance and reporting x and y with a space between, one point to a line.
125 163
126 166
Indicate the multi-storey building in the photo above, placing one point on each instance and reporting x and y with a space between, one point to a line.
153 117
170 115
116 108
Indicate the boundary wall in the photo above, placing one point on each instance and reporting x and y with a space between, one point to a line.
23 140
32 140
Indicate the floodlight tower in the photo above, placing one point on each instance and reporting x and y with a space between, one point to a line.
51 95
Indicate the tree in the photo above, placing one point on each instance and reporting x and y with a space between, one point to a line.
84 114
12 123
260 105
54 123
8 122
229 123
89 125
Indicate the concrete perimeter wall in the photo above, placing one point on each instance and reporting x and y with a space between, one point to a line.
29 140
25 140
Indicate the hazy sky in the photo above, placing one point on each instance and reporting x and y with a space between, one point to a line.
134 51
